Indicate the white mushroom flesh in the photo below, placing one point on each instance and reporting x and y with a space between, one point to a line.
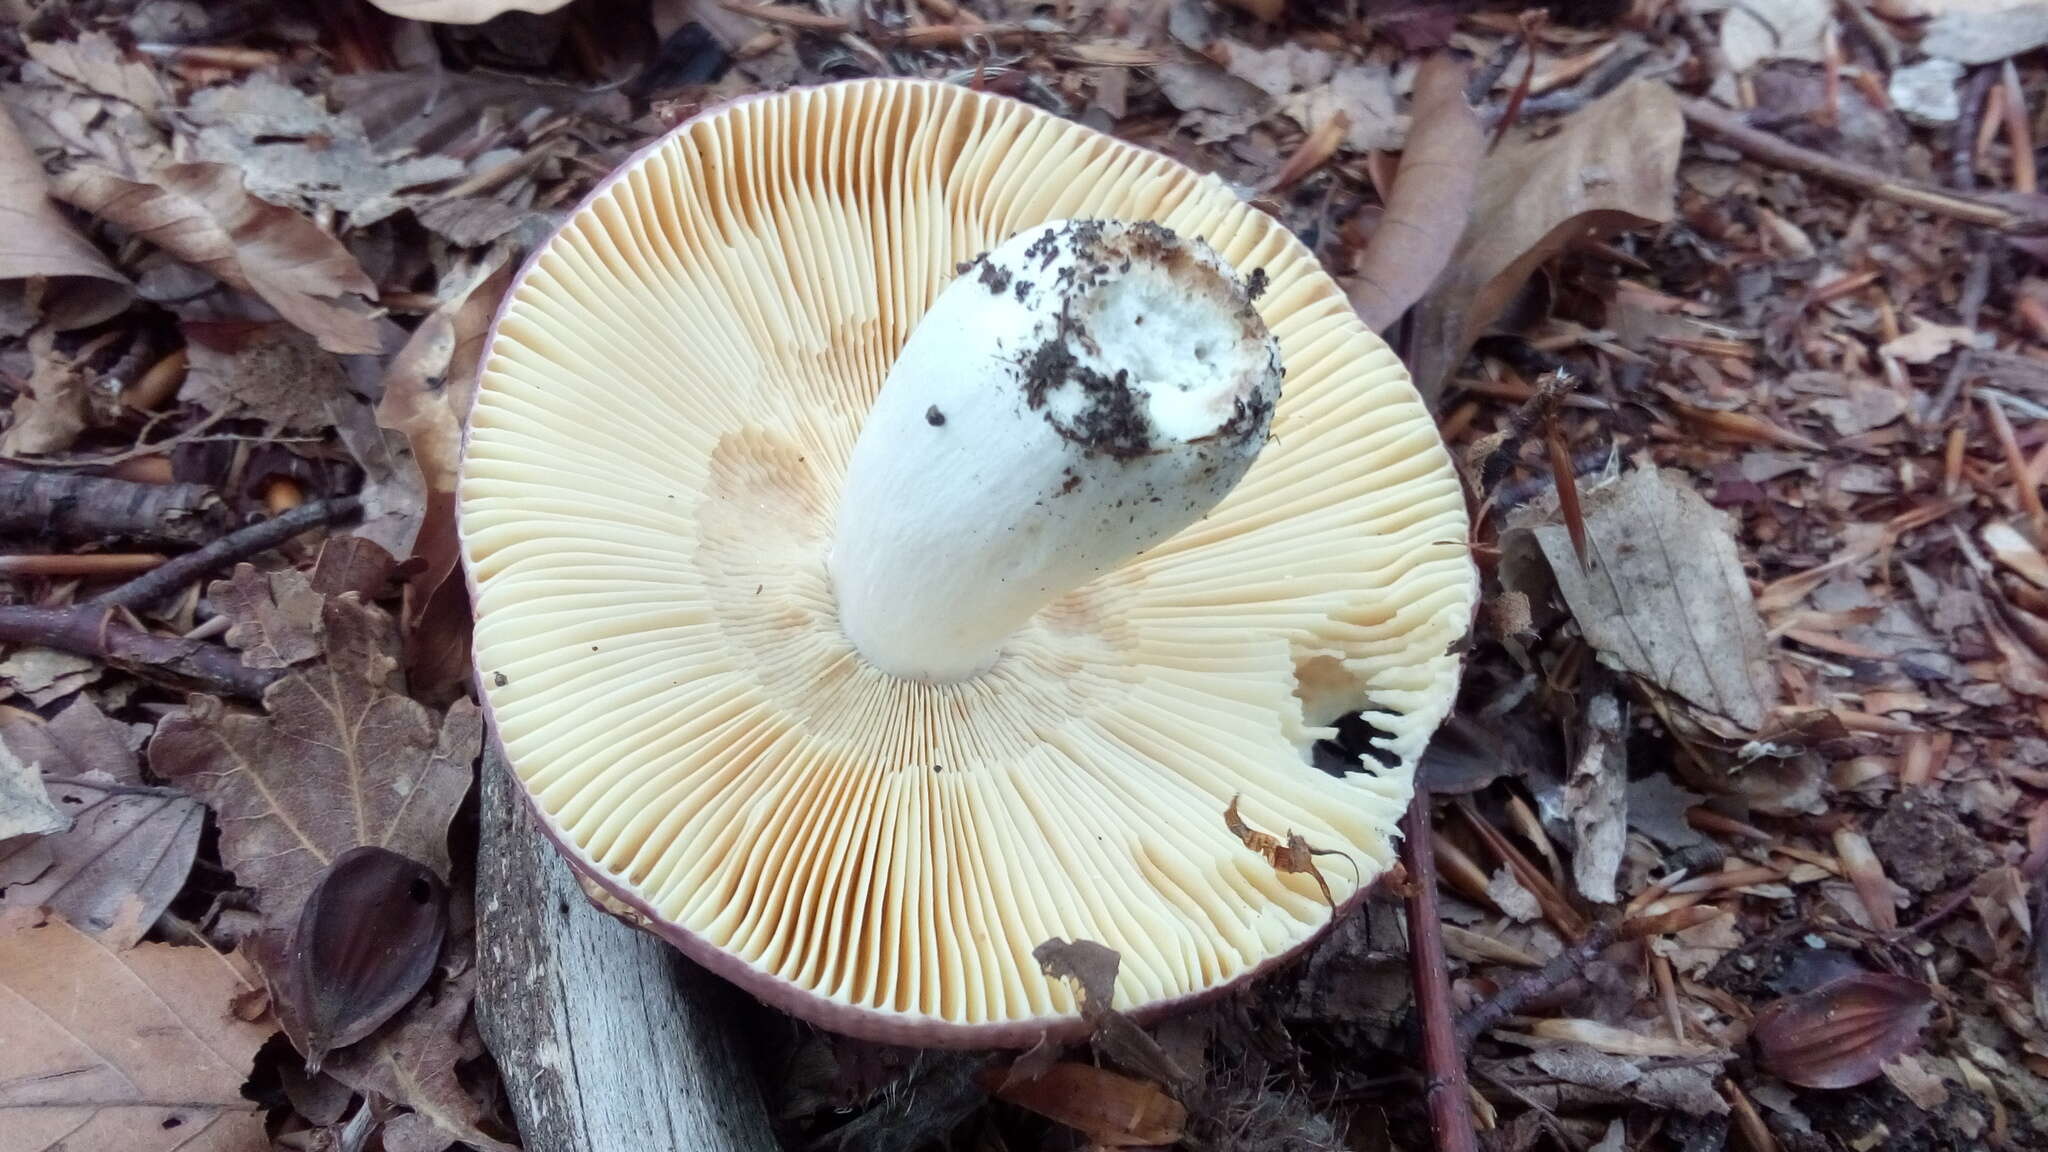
1079 394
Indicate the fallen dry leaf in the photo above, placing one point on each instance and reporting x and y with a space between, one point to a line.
51 412
338 760
394 493
1612 1040
1689 1088
202 214
1928 342
1113 1110
1984 31
1926 1090
36 241
1366 96
1760 30
1430 201
1091 966
80 742
1842 1033
45 675
129 847
1596 795
366 941
275 616
2011 548
292 151
412 1061
98 65
1608 167
1664 594
1874 890
269 372
1293 855
134 1050
115 870
25 806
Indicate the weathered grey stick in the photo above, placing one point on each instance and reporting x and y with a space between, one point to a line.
609 1040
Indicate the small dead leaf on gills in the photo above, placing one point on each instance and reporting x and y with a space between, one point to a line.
366 942
1841 1034
1113 1110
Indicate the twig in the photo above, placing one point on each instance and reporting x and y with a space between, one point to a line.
92 632
1443 1055
1511 999
1489 458
88 564
1759 145
69 506
144 591
92 628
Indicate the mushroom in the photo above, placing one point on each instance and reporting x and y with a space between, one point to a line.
893 547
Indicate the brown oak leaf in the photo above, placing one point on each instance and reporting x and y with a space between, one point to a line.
412 1061
275 616
340 759
135 1050
203 215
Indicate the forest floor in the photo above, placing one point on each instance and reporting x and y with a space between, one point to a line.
1742 838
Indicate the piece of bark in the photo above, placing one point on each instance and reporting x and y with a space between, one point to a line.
610 1041
69 506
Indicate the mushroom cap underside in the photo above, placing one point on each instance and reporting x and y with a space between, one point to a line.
665 411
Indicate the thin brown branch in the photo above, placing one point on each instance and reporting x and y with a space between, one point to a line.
70 506
88 564
95 628
1545 980
93 632
262 536
1443 1054
1731 129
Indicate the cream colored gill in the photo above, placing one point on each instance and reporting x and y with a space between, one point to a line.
663 420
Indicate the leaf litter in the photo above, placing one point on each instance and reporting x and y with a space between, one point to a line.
1804 742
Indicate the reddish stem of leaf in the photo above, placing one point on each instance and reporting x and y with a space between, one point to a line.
1567 486
1450 1112
1513 111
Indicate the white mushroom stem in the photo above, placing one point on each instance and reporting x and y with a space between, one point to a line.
1077 395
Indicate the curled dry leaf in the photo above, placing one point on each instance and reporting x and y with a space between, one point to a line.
133 1050
1113 1110
51 412
1662 594
36 241
1292 855
1430 201
1596 795
1614 1041
366 942
25 806
337 761
202 214
274 617
1609 167
1091 966
97 64
1842 1033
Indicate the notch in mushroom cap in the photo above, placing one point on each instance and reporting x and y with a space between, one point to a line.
855 615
